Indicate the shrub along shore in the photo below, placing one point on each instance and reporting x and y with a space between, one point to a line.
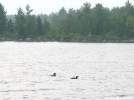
69 40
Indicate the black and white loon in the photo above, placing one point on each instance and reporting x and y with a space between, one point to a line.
75 77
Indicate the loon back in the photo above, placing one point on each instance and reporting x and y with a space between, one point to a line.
75 77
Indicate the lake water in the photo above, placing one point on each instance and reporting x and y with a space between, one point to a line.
105 70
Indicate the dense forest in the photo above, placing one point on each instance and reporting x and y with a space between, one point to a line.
84 24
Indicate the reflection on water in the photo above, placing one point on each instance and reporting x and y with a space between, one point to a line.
105 71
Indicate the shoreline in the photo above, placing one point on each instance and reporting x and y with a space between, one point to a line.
67 40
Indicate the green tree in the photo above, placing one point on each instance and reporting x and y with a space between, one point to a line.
28 10
83 19
117 23
39 26
129 8
62 16
30 23
3 20
10 26
54 19
130 26
71 21
99 10
19 24
93 22
46 27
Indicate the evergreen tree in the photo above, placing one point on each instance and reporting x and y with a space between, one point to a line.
19 24
46 27
28 10
30 23
86 19
3 20
10 26
62 25
71 21
39 26
129 8
54 20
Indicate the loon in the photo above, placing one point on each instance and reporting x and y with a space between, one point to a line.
75 77
54 74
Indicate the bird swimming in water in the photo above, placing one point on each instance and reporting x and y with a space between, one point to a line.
54 74
75 77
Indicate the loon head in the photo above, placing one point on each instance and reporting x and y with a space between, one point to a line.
77 77
54 74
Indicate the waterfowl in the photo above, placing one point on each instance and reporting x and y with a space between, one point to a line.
75 77
54 74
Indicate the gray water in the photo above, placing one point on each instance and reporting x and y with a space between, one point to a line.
105 70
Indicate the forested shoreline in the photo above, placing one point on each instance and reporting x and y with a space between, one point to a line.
86 24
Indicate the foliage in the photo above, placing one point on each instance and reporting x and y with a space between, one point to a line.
86 23
10 26
2 19
30 23
19 24
39 27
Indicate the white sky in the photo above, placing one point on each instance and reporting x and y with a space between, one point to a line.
49 6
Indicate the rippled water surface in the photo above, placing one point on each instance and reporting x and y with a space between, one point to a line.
105 70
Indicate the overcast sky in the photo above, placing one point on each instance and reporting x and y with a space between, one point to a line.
49 6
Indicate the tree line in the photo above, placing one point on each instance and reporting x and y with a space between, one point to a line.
97 23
